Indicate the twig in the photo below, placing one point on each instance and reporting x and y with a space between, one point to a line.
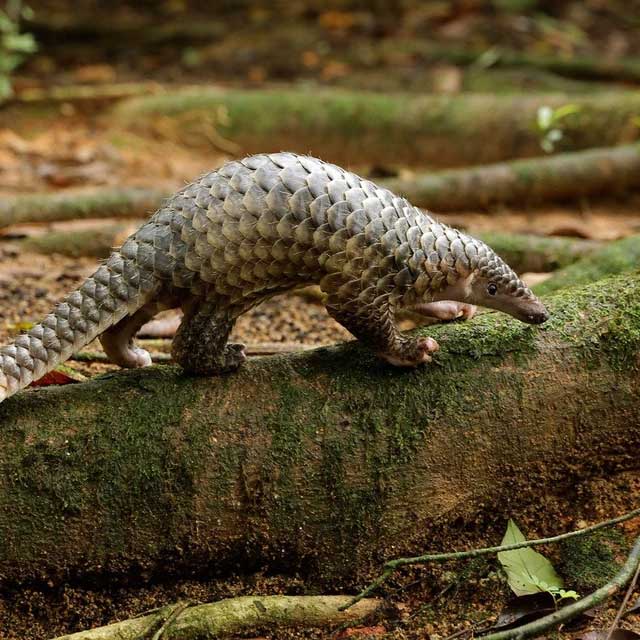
98 356
260 349
623 606
566 613
392 565
177 610
474 628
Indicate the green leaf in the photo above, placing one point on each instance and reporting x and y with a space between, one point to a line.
561 594
527 570
564 111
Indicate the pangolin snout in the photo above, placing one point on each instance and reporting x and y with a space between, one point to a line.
538 318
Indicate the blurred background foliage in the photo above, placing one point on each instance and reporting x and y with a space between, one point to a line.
439 46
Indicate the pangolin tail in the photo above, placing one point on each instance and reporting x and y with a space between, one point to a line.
119 287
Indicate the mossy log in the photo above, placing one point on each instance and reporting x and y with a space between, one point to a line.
621 256
379 128
576 66
527 252
565 176
571 175
76 204
234 616
327 458
95 243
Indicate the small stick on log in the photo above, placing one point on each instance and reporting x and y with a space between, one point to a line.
232 616
262 349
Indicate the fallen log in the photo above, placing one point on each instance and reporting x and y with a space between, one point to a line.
576 66
620 256
386 129
328 458
527 252
76 204
614 171
233 616
95 243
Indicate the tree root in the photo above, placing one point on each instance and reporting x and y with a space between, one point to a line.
233 616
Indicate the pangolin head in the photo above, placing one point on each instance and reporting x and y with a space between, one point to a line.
474 273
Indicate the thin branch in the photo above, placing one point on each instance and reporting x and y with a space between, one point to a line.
176 611
231 617
623 606
570 611
99 356
259 349
393 565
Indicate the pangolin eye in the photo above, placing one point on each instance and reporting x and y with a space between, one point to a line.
492 289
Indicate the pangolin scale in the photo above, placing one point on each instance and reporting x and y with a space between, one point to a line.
254 228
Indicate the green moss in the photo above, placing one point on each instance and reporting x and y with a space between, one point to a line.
537 253
589 562
621 256
370 127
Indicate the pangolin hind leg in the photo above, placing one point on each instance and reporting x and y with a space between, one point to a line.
118 341
200 345
374 325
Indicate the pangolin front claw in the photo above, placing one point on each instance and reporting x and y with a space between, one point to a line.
413 353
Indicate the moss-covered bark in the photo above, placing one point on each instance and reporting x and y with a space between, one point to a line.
326 457
565 176
621 256
526 252
585 67
75 204
96 242
369 128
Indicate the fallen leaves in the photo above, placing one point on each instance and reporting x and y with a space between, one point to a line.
62 374
528 571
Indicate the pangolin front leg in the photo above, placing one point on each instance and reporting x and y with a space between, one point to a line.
200 345
374 325
446 310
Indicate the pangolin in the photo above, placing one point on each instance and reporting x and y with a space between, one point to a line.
257 227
